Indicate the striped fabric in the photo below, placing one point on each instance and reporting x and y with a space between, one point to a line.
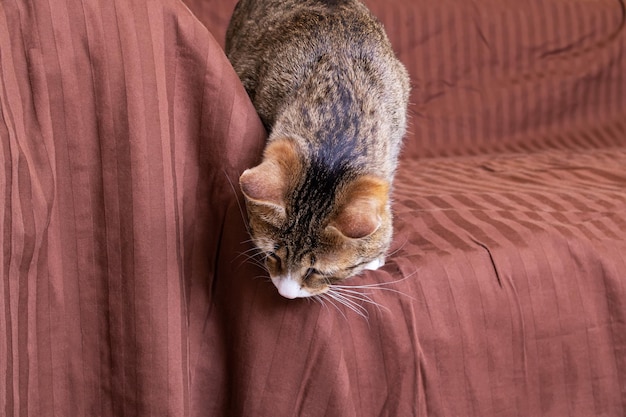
513 76
126 290
120 122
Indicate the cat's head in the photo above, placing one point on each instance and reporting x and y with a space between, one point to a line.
313 230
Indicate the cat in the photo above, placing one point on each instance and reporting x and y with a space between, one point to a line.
333 96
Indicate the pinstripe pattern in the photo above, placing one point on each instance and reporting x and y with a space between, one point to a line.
125 291
113 117
510 75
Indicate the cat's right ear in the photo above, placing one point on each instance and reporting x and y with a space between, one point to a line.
266 185
263 188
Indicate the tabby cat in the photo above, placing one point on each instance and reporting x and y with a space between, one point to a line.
329 89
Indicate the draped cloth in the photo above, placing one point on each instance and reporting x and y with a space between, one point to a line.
126 287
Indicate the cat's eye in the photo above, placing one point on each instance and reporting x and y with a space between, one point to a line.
312 271
272 259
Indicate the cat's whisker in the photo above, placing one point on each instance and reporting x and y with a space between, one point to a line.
250 253
350 291
255 261
357 295
351 304
264 277
251 256
252 249
243 217
371 287
354 306
260 266
380 286
248 242
326 296
390 290
318 300
398 249
251 240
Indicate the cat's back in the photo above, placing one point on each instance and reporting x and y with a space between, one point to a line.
254 20
324 72
303 27
275 44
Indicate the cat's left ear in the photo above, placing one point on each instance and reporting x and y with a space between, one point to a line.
362 207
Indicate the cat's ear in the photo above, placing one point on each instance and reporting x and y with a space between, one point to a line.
267 184
263 185
362 207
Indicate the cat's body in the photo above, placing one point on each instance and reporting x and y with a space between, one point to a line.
328 87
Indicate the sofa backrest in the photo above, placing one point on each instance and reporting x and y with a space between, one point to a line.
500 75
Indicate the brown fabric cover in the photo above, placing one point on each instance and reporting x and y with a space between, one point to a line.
126 290
120 124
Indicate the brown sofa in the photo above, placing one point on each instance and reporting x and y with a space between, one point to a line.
123 130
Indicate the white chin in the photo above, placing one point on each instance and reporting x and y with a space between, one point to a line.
289 288
375 264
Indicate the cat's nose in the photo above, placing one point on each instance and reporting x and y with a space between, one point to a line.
287 287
